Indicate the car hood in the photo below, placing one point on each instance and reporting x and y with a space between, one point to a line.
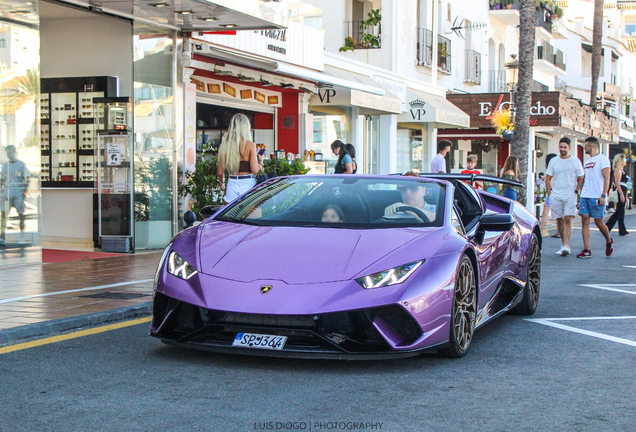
295 255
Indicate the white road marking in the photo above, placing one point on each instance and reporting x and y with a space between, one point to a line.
17 299
630 267
607 287
549 322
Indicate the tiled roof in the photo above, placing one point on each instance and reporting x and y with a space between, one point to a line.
631 43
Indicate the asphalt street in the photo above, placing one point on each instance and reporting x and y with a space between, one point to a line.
548 374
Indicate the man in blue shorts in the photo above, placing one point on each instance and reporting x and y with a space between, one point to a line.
593 195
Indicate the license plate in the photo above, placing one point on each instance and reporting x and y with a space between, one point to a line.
251 340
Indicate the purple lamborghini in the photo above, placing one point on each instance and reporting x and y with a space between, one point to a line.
349 267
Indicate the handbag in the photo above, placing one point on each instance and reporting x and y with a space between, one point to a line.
613 196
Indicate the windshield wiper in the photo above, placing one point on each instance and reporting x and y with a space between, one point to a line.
243 221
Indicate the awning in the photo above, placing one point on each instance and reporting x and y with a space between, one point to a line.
348 88
427 108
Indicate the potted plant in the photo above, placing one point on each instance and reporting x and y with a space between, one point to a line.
368 38
495 4
502 122
442 54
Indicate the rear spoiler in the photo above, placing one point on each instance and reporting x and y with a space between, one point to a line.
472 178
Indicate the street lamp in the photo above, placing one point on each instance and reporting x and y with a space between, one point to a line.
512 77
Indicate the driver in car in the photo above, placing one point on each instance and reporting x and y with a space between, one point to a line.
413 195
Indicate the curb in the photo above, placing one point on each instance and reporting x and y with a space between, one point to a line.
53 327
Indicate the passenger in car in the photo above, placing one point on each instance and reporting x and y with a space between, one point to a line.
413 195
332 214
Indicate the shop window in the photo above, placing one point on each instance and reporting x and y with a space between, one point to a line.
3 43
318 130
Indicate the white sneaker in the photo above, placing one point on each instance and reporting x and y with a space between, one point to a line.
565 251
560 251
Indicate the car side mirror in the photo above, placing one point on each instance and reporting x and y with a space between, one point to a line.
496 222
209 210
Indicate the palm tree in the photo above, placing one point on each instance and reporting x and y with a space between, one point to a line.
597 49
523 99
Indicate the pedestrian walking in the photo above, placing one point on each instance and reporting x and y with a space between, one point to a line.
510 171
344 165
564 180
438 164
619 182
14 184
238 155
593 195
352 152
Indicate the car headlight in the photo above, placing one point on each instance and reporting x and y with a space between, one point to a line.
389 277
179 267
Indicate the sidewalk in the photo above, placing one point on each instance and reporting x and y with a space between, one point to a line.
550 226
74 293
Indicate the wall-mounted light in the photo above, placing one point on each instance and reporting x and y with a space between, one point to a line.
245 78
208 19
286 85
266 83
184 12
228 25
158 5
222 72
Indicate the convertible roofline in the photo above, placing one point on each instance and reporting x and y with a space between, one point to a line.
472 178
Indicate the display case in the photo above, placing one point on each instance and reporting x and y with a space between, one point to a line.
114 115
115 192
68 129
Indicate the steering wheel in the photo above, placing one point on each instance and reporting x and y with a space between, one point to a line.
418 212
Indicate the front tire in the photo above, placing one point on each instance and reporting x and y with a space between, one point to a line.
530 299
464 311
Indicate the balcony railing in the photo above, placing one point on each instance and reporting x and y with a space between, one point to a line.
444 54
545 51
559 59
425 50
473 67
543 18
503 4
362 35
497 81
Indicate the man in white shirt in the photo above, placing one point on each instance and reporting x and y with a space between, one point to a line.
14 183
438 164
563 181
593 194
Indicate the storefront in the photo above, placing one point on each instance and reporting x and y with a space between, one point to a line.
425 113
76 53
554 115
357 110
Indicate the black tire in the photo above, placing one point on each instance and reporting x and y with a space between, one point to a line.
463 312
530 297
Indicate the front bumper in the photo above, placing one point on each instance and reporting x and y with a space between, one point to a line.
353 334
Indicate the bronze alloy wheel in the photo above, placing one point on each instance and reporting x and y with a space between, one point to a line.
464 311
465 305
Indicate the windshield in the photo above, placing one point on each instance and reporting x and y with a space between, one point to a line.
341 202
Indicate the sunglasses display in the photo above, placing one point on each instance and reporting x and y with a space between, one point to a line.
87 146
46 164
60 122
87 139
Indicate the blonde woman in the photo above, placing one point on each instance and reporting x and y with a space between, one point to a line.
619 181
238 155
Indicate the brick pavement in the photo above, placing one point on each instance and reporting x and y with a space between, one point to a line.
34 293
